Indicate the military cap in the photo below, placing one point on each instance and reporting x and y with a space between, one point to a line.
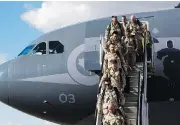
114 17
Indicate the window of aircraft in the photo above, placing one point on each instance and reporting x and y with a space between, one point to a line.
26 50
55 47
40 49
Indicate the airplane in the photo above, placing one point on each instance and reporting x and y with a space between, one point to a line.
53 78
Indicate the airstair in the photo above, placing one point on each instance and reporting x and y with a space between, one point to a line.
136 99
132 98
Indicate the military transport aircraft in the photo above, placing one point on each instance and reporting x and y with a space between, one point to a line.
53 78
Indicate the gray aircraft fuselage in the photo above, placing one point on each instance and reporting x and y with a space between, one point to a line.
56 87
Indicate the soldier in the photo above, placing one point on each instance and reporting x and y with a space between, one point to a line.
112 117
147 34
134 28
132 49
120 46
113 26
124 24
109 94
112 55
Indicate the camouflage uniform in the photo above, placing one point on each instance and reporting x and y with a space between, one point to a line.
115 78
132 45
109 94
111 28
133 29
131 56
111 56
124 26
147 34
113 119
121 46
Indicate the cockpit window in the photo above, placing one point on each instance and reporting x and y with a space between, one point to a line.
40 49
55 47
26 50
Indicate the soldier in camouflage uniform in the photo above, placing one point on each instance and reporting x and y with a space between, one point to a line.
124 24
132 50
107 94
147 34
113 26
135 28
112 55
132 40
120 45
113 117
114 74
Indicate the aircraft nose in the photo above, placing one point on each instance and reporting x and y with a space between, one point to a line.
4 94
4 85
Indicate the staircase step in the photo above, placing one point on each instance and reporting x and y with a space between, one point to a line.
134 89
134 82
134 85
132 121
132 94
132 109
132 74
131 115
131 99
140 63
128 104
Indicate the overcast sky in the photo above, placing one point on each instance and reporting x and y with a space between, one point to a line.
52 15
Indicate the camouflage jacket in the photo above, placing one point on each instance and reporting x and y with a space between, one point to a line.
111 28
134 29
120 45
113 119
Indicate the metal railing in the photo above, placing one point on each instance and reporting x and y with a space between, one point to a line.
139 99
97 116
142 115
144 104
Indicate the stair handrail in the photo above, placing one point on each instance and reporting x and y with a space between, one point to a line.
101 65
144 89
139 99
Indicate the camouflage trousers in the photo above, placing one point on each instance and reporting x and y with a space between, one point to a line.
131 58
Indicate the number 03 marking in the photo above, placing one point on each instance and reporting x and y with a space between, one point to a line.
64 98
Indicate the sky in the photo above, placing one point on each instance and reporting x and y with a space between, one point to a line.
22 22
